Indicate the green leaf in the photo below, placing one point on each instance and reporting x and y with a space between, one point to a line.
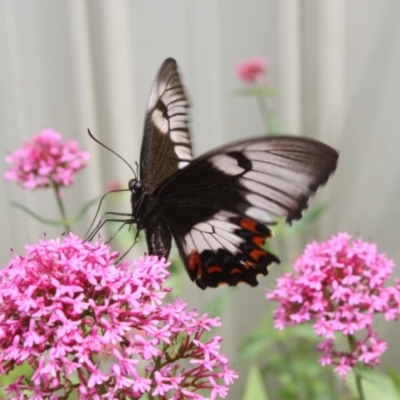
395 378
255 387
375 386
36 216
85 208
256 91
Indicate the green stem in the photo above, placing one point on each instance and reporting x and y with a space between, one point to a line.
64 219
352 345
269 119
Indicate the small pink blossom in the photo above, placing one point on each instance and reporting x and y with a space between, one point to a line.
46 160
69 311
251 71
339 285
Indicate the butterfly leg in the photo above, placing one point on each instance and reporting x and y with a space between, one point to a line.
130 247
103 221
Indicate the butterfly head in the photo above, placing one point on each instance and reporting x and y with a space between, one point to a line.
138 195
135 187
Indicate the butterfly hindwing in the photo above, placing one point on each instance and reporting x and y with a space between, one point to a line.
166 146
226 248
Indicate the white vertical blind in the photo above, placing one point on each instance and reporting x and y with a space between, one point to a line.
289 66
82 65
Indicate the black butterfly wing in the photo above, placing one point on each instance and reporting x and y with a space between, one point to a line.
217 207
226 248
166 145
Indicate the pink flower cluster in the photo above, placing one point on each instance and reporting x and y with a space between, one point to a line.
91 329
46 160
251 71
339 285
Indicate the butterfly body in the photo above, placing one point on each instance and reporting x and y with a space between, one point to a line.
218 206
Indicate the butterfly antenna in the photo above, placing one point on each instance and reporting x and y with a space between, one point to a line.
112 151
137 169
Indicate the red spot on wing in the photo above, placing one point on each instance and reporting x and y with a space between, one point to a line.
236 271
258 240
257 253
214 269
248 224
194 263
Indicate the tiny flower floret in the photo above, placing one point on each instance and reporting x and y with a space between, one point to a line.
46 160
339 285
72 314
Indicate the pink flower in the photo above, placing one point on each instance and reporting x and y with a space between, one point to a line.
251 71
46 160
339 285
69 311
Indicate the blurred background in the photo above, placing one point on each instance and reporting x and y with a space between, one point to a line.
71 65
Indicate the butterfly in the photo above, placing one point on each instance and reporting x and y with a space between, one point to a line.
218 207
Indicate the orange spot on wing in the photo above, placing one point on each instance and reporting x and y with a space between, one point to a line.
257 253
194 261
214 269
236 271
248 224
258 240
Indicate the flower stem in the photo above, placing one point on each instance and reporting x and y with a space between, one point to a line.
64 219
352 345
269 119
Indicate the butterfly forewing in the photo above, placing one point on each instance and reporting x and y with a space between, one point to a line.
278 174
166 146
